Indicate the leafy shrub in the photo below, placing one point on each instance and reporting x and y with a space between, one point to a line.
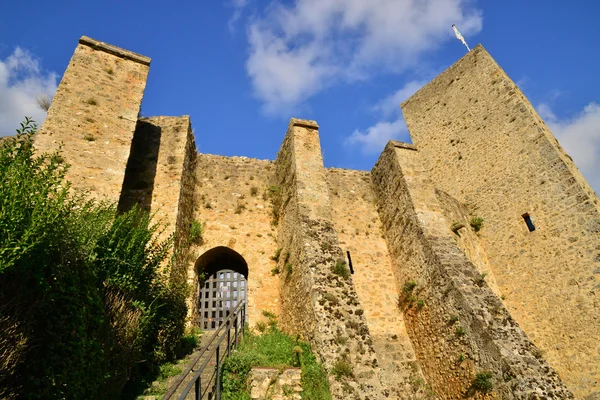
83 305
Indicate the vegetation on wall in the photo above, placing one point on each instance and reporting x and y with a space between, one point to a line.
272 348
84 307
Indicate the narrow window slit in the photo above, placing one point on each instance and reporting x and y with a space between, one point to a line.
529 222
350 262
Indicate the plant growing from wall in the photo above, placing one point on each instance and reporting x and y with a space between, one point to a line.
482 382
275 257
240 207
456 226
196 230
342 369
476 223
274 193
340 269
407 297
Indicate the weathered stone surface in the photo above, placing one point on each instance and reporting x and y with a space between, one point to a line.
457 325
357 222
274 384
483 143
234 217
317 304
93 116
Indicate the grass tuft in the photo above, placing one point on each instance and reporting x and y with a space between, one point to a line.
341 269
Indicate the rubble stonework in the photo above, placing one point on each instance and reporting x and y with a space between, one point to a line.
432 303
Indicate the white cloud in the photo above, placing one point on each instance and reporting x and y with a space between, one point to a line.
238 9
21 82
580 137
374 139
344 40
391 104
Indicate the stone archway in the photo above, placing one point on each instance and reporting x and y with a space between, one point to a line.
223 275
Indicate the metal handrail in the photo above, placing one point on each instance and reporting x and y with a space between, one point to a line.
196 380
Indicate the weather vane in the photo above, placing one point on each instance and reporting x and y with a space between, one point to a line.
460 37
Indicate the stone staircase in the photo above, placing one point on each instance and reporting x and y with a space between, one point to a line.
204 355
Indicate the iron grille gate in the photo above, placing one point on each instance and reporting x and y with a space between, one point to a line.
221 294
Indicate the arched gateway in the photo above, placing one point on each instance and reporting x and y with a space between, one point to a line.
223 284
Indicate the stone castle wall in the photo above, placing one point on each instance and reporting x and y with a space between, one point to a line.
317 303
457 325
94 115
355 218
160 178
484 144
236 218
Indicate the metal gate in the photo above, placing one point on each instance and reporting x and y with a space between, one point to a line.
219 296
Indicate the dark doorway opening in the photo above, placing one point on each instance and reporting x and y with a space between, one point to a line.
223 284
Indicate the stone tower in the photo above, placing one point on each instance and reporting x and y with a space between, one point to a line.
484 145
430 302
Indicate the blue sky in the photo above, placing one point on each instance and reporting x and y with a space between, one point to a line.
242 68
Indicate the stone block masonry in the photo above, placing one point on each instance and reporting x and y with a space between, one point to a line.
483 144
316 303
457 325
355 218
160 178
231 200
94 114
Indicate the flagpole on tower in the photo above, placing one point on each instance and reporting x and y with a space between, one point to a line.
460 37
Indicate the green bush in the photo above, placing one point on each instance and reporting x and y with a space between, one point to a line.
83 305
